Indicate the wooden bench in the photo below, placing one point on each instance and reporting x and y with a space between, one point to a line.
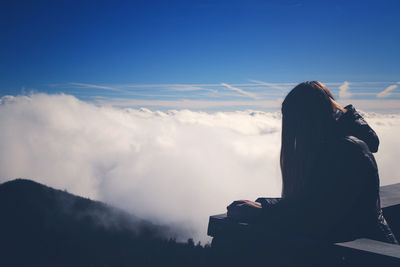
360 252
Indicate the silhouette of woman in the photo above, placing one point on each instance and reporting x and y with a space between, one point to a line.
330 182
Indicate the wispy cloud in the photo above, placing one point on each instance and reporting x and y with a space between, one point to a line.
239 91
387 91
94 86
278 86
188 103
185 88
189 88
344 90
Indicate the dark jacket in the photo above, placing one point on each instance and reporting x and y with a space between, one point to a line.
341 200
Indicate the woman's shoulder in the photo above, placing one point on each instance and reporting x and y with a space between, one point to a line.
353 150
352 144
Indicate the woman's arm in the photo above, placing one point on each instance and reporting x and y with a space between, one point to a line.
244 210
352 123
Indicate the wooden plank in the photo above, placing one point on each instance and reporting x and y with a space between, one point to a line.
221 224
390 195
373 246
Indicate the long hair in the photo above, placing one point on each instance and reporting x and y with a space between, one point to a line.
307 122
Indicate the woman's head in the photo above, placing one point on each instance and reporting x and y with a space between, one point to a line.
308 102
307 122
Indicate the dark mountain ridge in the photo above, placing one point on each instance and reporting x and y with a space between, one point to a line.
42 226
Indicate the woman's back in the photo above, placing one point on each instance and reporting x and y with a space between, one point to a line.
340 198
343 189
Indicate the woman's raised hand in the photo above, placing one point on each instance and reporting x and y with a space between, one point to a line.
337 106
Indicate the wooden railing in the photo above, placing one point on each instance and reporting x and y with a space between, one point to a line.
360 252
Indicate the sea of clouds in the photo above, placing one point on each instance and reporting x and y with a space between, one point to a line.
172 167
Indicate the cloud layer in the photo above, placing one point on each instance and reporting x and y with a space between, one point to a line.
255 94
174 167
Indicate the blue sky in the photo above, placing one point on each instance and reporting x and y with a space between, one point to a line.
206 54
